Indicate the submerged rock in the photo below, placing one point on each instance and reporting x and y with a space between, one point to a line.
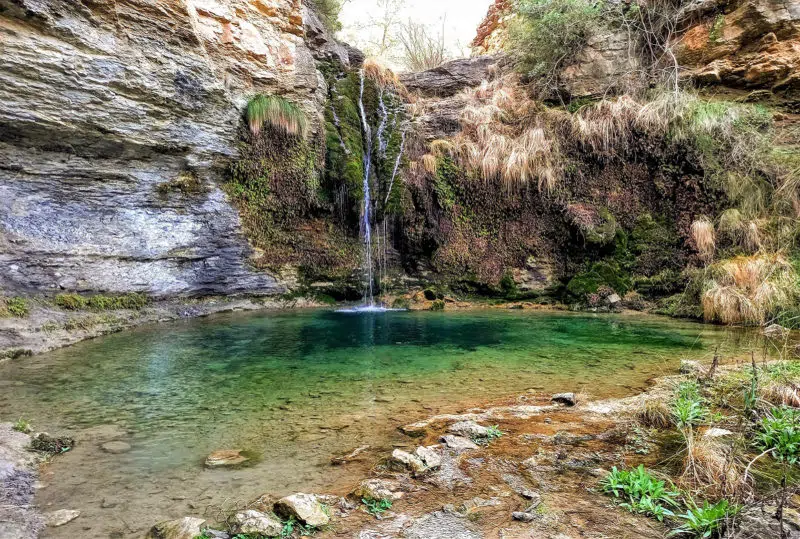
182 528
304 507
60 517
116 448
257 523
441 525
225 458
565 398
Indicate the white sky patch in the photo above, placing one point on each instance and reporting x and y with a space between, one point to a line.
461 19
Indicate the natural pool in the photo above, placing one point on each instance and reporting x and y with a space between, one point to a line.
298 388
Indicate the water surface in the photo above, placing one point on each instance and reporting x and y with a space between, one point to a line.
297 388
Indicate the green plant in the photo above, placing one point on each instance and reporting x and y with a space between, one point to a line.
22 425
278 112
100 302
689 408
779 432
641 492
705 521
493 433
329 11
376 507
292 524
715 33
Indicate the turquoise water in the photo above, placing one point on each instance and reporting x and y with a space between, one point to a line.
300 387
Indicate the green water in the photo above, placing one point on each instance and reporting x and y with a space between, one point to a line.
298 388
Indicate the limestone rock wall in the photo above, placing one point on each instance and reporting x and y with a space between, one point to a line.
104 101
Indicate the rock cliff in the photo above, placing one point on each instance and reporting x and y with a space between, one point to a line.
110 109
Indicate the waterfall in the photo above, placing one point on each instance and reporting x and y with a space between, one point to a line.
366 225
396 165
382 142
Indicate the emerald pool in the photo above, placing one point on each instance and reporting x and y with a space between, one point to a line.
297 388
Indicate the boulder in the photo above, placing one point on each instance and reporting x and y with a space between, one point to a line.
459 444
430 456
776 331
451 77
689 366
303 507
60 517
226 458
182 528
565 398
469 429
257 523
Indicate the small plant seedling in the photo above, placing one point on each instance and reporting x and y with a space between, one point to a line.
22 425
376 507
492 433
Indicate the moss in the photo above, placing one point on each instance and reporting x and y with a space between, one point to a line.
604 232
447 174
717 28
599 274
187 183
13 306
100 302
679 306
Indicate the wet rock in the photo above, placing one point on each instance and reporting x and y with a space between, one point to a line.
116 448
216 534
304 507
407 460
689 366
226 458
518 485
441 525
353 455
459 444
256 523
379 489
776 331
469 429
60 517
182 528
565 398
415 430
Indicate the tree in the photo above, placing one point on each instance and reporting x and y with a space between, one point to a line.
422 49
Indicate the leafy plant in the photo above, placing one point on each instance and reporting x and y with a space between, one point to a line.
376 507
22 425
278 112
780 433
705 521
641 492
292 524
493 433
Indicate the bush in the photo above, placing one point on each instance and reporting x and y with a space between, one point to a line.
548 34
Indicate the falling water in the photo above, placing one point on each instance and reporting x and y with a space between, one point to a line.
396 165
366 225
382 142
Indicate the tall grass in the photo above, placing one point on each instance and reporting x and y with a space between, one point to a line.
704 237
277 112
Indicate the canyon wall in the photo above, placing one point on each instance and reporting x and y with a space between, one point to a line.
117 121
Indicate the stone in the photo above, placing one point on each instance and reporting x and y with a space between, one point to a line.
565 398
469 429
116 448
430 456
60 517
613 299
459 444
759 522
379 489
407 460
451 77
716 432
776 331
182 528
257 523
523 516
518 485
303 507
689 366
226 458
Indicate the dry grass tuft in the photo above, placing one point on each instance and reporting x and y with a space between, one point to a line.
430 163
710 466
384 77
278 112
752 237
704 237
781 393
732 225
655 413
748 290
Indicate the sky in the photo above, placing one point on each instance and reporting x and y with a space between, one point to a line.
461 18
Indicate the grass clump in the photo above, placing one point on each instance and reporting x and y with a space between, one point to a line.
640 492
100 302
14 306
277 112
376 507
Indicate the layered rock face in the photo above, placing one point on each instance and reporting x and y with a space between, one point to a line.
109 108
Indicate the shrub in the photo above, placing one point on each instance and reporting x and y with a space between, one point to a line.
278 112
548 34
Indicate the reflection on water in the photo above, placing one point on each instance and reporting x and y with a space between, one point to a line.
299 388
